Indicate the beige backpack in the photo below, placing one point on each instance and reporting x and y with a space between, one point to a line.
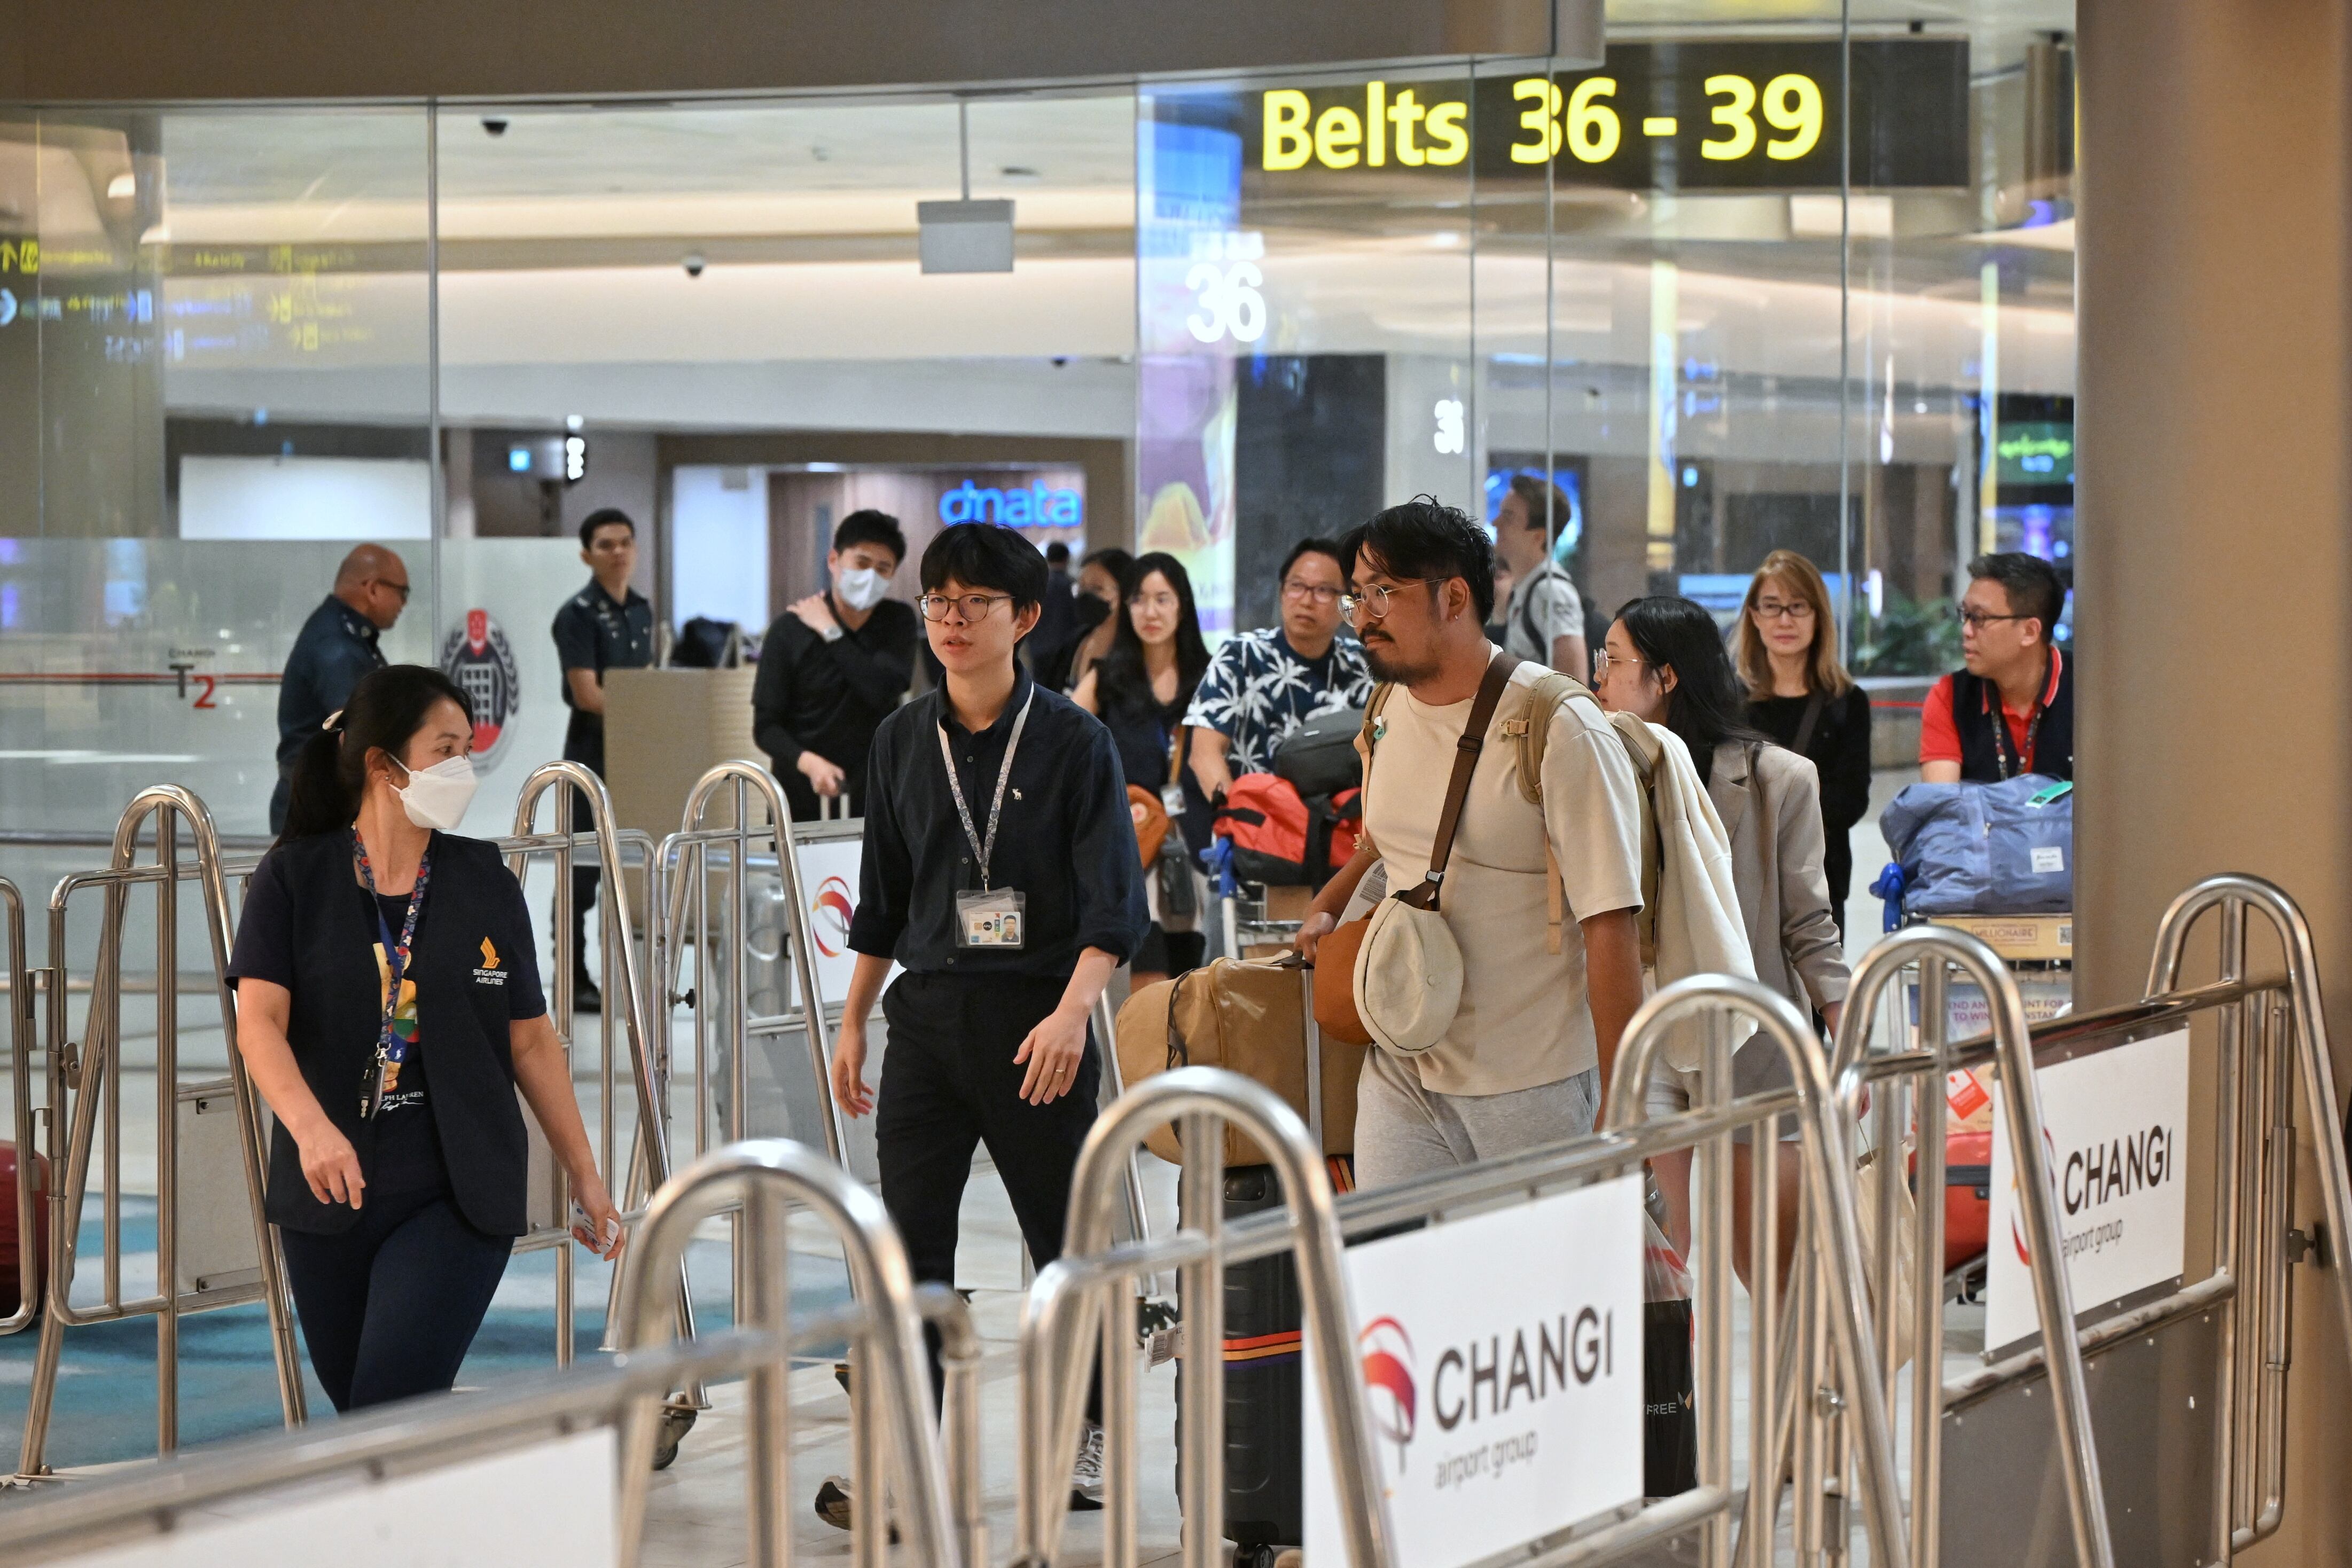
1529 728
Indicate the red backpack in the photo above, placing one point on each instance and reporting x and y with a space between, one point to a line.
1284 841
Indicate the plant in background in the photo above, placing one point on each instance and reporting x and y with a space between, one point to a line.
1909 639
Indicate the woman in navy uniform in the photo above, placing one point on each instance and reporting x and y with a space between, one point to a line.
389 1007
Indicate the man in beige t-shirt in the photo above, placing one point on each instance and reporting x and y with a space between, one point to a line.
1528 1053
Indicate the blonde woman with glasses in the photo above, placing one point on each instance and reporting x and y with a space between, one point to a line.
1800 695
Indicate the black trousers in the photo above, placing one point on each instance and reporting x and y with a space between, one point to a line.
390 1307
950 1083
585 879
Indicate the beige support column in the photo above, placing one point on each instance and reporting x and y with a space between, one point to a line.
2215 581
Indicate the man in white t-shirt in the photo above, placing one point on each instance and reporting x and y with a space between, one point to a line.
1529 1054
1544 618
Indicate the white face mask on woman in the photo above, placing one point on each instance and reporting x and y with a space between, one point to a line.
437 796
861 587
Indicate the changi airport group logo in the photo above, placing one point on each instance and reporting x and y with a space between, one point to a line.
1389 1384
829 915
480 659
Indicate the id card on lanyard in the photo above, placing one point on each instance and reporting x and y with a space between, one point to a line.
991 917
391 1049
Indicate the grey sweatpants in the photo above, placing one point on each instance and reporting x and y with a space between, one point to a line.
1403 1130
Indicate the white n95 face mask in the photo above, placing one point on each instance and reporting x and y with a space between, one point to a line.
861 587
437 796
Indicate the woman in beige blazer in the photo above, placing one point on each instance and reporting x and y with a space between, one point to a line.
1664 660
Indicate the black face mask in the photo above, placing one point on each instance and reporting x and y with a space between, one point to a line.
1092 612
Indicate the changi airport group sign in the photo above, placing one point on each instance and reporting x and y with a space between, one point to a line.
1680 116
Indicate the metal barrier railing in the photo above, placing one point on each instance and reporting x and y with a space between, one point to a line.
625 997
684 863
2256 1143
29 1261
2254 1147
1939 950
82 1083
939 1500
889 1386
1078 1301
89 1077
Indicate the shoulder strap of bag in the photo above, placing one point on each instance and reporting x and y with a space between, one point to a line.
1805 725
1178 742
1457 787
1379 700
1536 638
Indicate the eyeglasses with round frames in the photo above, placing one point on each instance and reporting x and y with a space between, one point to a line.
969 607
1373 599
1776 610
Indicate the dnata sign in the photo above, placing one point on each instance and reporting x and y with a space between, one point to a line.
1034 507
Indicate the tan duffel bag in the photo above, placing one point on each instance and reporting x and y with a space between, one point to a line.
1249 1018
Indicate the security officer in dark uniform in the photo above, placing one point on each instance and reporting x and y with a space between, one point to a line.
606 626
337 646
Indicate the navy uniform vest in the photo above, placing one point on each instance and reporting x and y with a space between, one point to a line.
1975 720
462 1020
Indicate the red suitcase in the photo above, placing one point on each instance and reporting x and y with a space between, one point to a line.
12 1171
1967 1195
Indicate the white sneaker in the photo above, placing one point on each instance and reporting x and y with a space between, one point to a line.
1087 1475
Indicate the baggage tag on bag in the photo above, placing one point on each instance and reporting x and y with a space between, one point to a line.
1172 800
991 918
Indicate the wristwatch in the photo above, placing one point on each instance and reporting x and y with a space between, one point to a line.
832 633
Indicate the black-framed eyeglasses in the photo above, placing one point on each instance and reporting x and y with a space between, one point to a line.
1315 593
968 607
399 587
1774 609
1978 619
1372 600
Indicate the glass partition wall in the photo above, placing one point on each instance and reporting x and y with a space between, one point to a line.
1743 285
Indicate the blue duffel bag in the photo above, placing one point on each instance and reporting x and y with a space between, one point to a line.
1983 849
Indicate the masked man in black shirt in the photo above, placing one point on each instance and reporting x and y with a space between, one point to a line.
833 667
1001 871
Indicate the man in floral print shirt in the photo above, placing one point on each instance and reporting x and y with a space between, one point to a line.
1263 684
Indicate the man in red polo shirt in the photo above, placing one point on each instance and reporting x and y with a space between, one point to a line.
2007 617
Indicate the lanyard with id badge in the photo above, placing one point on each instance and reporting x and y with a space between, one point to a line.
992 917
391 1051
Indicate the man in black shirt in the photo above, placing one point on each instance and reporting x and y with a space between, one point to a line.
608 625
833 667
337 646
1010 888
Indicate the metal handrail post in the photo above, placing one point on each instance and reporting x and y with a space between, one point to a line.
20 1066
2258 1129
750 777
99 1075
893 1366
1931 945
1060 1313
1830 1188
2319 1070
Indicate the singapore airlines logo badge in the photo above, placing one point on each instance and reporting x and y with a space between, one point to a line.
490 974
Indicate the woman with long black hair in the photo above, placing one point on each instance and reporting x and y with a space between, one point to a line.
1663 660
388 1008
1139 688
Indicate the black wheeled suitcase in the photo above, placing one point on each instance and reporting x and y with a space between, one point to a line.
1265 1499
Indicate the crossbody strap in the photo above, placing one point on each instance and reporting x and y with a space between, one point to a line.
1457 787
1806 724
